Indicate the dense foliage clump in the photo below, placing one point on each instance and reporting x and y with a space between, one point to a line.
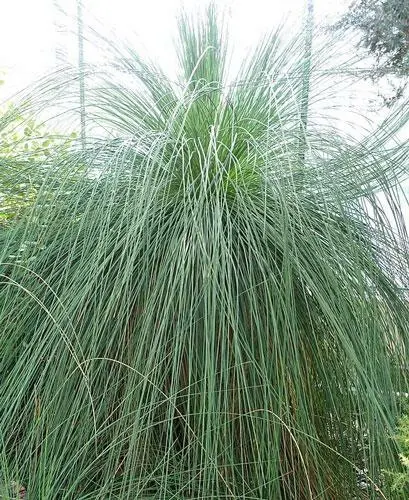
383 27
204 312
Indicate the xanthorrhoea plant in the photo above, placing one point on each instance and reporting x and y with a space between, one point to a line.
209 314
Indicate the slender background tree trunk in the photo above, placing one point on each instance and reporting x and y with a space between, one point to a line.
305 92
80 35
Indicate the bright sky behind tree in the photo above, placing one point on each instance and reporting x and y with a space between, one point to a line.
29 29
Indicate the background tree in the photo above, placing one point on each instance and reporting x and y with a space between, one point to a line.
26 145
384 30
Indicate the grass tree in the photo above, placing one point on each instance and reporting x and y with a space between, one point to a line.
204 313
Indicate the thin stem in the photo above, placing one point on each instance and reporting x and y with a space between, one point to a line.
305 92
80 34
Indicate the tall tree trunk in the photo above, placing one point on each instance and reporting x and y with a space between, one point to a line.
306 76
80 37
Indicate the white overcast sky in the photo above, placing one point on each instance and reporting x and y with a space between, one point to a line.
28 34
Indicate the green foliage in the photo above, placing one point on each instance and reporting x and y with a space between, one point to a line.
200 314
384 30
25 146
384 25
400 480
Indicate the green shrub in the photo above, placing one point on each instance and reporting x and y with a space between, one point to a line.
399 477
25 147
208 313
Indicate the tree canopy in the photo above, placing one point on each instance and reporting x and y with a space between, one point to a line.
25 145
384 28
